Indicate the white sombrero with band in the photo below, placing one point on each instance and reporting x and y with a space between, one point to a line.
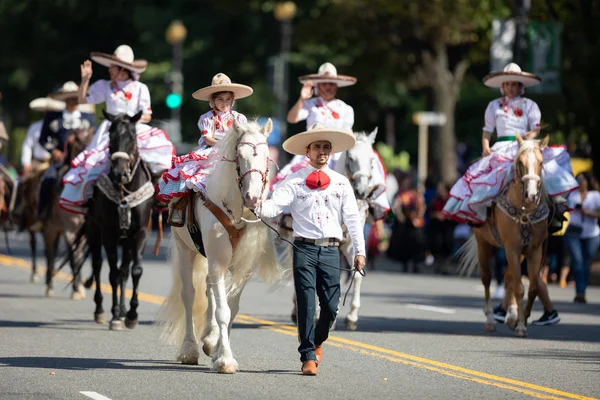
328 74
45 104
340 140
222 83
122 57
68 90
511 73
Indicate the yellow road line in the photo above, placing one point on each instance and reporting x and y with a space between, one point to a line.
363 348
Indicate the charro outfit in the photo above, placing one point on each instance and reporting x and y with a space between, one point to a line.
319 201
121 97
191 171
336 114
472 194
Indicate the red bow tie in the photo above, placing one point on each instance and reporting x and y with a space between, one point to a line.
317 180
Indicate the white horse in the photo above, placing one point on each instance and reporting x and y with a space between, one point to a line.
243 158
357 165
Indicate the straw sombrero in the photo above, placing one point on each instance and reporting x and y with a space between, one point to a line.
122 57
222 83
328 73
68 90
45 104
340 140
511 73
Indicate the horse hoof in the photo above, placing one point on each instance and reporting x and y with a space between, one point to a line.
130 324
78 294
208 349
226 366
99 318
490 327
116 325
34 278
521 332
188 353
49 293
350 325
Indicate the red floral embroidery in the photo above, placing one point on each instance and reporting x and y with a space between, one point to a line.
205 132
217 125
229 123
127 95
518 112
335 115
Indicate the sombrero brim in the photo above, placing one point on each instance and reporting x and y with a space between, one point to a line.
63 95
340 140
137 66
496 79
239 91
339 80
87 108
44 104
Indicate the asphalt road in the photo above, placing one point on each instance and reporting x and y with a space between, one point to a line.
419 337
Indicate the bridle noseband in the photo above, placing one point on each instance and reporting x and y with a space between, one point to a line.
528 177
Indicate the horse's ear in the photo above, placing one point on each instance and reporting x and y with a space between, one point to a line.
544 142
267 128
519 139
108 116
136 117
373 135
237 126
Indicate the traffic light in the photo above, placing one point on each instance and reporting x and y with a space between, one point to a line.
173 100
174 81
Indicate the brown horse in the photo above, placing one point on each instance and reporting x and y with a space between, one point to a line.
517 222
65 224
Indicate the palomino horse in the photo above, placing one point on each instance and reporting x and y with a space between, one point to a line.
357 165
200 300
119 214
65 224
517 222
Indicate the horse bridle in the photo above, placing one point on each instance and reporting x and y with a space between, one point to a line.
528 177
241 175
130 172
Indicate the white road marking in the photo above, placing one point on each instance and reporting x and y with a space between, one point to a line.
94 395
431 308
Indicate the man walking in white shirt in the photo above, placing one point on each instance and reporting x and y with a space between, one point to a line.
320 200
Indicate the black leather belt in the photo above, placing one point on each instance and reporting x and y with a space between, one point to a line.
325 242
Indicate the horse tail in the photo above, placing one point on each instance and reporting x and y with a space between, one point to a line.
171 317
467 258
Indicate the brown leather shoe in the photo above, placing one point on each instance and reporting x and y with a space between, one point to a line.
319 353
309 368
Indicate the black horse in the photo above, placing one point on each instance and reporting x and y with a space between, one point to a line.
119 214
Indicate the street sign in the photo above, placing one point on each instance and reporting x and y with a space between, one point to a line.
429 118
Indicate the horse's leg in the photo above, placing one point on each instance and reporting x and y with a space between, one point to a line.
518 290
188 352
534 261
210 334
351 320
509 303
95 243
484 254
51 238
111 247
233 301
136 273
76 263
294 310
224 362
124 276
33 246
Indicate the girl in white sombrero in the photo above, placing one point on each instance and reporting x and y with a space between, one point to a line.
122 94
189 172
484 180
329 111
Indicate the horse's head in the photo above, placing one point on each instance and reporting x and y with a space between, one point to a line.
528 167
359 163
123 146
252 160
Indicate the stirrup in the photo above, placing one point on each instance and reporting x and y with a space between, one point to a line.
175 218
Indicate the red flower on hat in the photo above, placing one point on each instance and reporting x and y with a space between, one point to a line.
335 115
518 112
127 95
